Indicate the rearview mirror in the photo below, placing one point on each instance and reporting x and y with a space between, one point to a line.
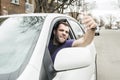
72 58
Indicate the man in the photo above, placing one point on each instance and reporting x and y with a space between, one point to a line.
61 33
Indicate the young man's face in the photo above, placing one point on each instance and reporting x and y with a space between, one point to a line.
61 34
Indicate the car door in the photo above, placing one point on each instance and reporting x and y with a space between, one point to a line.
76 31
48 69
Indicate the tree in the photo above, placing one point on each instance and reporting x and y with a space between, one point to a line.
50 6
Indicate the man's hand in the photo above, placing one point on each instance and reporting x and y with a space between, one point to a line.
89 22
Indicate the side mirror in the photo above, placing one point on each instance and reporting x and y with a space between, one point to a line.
72 58
97 31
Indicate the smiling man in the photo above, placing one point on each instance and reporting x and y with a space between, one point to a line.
61 33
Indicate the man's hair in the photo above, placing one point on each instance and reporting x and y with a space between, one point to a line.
64 22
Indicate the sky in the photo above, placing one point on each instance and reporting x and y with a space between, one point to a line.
106 6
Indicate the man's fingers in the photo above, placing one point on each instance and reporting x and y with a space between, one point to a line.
89 22
86 19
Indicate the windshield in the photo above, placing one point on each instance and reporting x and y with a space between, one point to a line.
18 36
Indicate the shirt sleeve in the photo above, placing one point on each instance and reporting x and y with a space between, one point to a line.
69 43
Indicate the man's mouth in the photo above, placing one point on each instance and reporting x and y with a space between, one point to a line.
61 37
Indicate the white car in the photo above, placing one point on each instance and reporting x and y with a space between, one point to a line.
24 53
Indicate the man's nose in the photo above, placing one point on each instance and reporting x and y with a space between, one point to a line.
64 32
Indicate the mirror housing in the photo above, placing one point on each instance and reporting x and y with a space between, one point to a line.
72 58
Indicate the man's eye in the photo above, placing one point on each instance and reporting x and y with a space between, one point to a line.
67 32
61 30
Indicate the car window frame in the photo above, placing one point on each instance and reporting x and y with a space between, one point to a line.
80 27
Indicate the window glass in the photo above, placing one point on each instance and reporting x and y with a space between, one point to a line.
77 29
18 36
15 1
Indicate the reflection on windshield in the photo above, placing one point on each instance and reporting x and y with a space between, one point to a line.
18 35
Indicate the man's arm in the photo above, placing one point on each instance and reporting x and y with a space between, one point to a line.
89 35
